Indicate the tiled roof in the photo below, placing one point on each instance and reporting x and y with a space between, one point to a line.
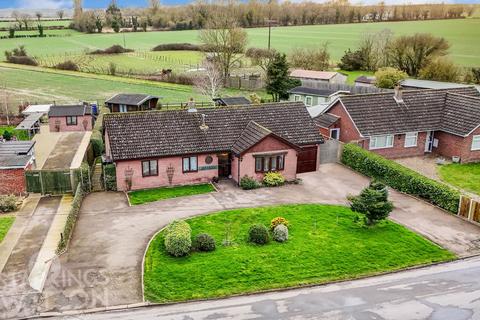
365 79
250 136
421 110
166 133
312 74
232 101
325 120
314 91
130 99
429 84
69 110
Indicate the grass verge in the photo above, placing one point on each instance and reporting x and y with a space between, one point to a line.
150 195
5 224
324 245
464 176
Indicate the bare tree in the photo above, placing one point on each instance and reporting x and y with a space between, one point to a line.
154 6
25 19
39 15
211 82
60 14
224 40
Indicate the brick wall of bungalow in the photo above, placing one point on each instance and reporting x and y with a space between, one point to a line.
165 166
59 124
399 150
450 145
13 181
268 146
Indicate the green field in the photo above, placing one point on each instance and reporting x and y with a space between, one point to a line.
324 245
462 34
39 85
34 22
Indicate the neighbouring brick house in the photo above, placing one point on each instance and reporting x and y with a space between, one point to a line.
177 147
128 102
408 123
71 118
15 158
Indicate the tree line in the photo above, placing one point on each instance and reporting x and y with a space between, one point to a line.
254 13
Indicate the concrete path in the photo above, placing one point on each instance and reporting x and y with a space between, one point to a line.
104 262
444 292
17 299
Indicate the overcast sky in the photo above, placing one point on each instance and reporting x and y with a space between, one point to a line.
56 4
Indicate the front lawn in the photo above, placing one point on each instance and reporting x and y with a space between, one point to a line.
150 195
20 134
324 245
5 224
464 176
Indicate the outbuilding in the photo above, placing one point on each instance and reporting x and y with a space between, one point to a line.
15 158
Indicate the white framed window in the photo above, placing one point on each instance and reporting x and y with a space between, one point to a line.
297 97
411 139
335 133
123 108
308 101
476 143
380 142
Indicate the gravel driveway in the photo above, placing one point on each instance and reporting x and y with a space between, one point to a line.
104 262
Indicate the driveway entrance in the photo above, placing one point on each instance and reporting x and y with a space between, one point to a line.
103 266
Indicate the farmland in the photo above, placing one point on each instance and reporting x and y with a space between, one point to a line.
462 34
45 23
40 85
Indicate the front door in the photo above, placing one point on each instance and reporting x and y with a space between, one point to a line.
224 165
429 142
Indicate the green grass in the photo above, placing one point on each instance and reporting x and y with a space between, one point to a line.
34 23
5 224
20 134
150 195
464 176
41 85
324 245
462 34
352 75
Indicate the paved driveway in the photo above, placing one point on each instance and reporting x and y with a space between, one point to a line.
104 262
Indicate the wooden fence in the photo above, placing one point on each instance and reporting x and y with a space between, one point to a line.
469 209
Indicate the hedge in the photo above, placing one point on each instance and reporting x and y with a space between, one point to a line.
109 171
400 177
178 238
71 219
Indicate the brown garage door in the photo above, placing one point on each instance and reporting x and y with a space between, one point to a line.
307 159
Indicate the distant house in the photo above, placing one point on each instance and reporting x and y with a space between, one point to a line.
15 158
429 84
231 101
127 102
309 77
408 123
177 147
364 81
312 96
71 118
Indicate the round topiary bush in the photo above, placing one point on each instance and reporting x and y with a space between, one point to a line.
258 234
248 183
204 242
178 238
273 179
280 233
278 220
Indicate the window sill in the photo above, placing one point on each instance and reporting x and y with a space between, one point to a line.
378 148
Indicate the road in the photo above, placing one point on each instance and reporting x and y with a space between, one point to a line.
444 292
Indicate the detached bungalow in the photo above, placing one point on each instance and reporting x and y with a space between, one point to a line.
127 102
313 96
408 123
71 118
15 158
162 148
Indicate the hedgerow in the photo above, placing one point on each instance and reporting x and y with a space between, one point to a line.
400 177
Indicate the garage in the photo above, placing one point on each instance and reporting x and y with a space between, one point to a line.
307 159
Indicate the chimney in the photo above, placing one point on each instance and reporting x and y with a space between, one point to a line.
398 96
191 106
203 126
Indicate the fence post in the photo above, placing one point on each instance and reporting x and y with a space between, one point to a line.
41 182
470 211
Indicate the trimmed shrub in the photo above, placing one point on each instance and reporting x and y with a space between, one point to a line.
258 234
373 203
8 203
178 238
273 179
110 177
71 219
248 183
204 242
97 142
400 178
115 49
67 65
278 221
178 47
280 233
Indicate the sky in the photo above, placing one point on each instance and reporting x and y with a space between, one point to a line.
57 4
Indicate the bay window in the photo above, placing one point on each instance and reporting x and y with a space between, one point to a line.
269 163
411 139
379 142
190 164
